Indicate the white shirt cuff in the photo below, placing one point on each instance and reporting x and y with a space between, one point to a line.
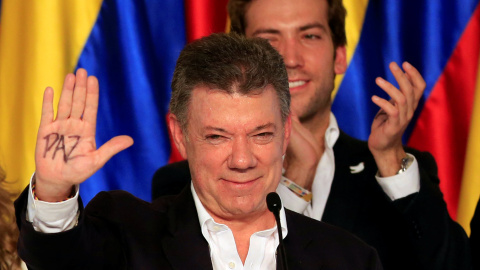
50 217
403 184
290 200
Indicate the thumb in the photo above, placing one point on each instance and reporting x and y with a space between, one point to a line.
112 147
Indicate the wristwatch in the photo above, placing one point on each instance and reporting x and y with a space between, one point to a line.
406 162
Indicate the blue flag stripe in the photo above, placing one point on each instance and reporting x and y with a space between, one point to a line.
132 50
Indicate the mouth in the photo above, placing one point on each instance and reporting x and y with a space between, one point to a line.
241 184
296 84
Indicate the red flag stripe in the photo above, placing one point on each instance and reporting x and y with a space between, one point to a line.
204 17
443 125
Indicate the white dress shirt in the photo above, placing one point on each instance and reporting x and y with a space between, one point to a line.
50 217
223 251
395 187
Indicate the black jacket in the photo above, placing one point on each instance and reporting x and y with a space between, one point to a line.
119 231
415 232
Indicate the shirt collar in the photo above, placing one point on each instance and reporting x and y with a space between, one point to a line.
332 132
205 218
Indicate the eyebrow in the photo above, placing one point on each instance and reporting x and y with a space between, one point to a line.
262 127
265 31
313 25
302 28
211 128
258 128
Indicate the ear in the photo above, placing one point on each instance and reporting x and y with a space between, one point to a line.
178 134
340 60
287 131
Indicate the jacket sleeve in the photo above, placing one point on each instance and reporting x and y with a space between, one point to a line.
90 245
439 242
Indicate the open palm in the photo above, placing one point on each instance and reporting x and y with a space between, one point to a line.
66 152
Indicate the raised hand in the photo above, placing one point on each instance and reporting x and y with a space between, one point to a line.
385 141
66 152
303 154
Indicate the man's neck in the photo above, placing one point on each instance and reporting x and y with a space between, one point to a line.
244 228
318 124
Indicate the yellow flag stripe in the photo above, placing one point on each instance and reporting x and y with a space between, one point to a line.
470 190
40 42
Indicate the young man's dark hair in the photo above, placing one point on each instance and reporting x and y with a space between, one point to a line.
336 19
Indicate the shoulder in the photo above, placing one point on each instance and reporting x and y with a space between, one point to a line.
116 198
350 149
303 227
121 206
350 153
345 141
328 244
425 161
170 179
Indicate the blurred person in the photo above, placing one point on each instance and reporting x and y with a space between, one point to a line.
9 259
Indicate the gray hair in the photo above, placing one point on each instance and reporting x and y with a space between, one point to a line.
228 62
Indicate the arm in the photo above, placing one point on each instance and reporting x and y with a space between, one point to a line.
65 156
439 242
66 153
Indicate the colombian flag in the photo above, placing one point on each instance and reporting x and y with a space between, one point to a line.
132 46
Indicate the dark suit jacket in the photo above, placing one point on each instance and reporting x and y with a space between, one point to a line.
119 231
475 237
415 232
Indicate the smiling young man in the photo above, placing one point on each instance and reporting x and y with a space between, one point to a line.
374 189
231 118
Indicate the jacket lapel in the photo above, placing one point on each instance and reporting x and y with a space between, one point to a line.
184 246
298 244
345 200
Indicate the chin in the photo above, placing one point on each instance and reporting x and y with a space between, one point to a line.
247 207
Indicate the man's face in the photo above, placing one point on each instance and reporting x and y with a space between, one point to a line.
299 30
234 145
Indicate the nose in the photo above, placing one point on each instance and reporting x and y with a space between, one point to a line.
291 52
242 156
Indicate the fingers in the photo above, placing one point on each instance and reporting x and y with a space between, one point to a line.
79 94
79 97
406 88
111 148
416 80
397 99
65 104
91 102
47 107
406 98
386 107
391 90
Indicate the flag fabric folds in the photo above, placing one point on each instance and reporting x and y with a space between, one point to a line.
132 49
40 42
132 46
